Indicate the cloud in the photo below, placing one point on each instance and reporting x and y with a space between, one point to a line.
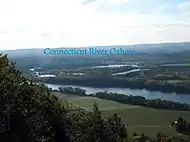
184 5
164 30
118 1
47 34
55 23
179 24
88 2
112 2
187 12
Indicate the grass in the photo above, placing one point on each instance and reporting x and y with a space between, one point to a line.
87 102
138 119
149 121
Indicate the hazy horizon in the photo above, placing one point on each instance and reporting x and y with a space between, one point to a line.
81 23
98 46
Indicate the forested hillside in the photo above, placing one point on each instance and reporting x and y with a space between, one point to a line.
29 113
146 53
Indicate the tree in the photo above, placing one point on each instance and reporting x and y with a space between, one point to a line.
30 114
117 126
98 124
134 134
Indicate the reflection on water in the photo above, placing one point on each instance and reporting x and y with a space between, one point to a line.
47 75
177 97
116 66
130 71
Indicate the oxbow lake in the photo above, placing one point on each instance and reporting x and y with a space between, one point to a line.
177 97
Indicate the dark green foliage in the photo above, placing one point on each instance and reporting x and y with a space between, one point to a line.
117 126
70 90
134 134
27 114
182 126
98 126
147 82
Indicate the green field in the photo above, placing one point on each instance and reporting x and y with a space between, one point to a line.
139 119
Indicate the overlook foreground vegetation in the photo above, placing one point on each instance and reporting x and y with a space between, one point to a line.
29 113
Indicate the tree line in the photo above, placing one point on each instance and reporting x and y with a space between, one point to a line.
126 99
123 82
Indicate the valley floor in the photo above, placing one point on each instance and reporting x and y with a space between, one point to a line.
138 119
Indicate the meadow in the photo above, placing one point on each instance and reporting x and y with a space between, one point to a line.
137 118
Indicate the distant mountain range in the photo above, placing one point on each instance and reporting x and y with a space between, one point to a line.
156 48
141 48
144 53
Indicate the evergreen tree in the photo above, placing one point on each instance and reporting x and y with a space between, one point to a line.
26 112
98 125
118 128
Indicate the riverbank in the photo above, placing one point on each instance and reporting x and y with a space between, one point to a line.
126 99
176 97
102 82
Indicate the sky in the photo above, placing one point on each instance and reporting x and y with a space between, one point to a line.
79 23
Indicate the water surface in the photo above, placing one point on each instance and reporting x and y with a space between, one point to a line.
177 97
117 66
127 72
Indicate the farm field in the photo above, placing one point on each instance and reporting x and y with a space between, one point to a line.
138 119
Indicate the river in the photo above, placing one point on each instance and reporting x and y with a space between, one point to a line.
130 71
177 97
118 66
